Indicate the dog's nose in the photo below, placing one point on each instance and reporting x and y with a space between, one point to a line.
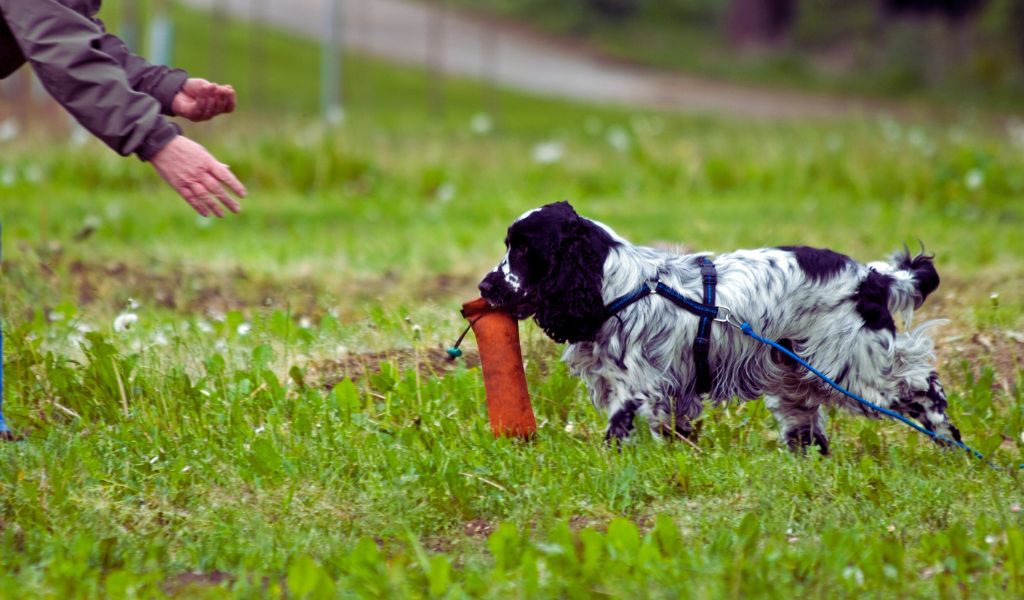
485 286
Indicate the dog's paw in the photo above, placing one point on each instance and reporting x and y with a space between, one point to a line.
799 438
620 425
617 436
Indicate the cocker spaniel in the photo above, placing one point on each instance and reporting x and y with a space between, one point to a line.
635 351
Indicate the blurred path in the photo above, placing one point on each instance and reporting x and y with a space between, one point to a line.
510 56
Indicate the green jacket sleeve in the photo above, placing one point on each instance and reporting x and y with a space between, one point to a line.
160 82
73 62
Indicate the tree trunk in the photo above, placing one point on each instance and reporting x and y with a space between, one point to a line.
759 22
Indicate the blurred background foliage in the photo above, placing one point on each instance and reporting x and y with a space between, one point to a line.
960 50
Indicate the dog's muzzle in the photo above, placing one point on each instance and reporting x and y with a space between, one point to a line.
497 293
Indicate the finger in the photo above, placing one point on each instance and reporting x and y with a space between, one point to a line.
219 103
228 96
232 100
195 85
190 108
205 106
203 195
198 194
190 197
209 88
205 97
184 105
213 186
224 174
221 99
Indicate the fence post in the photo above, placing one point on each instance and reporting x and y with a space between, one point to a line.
257 58
218 41
129 29
161 34
330 65
489 49
435 58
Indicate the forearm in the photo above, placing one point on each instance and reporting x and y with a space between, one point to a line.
158 81
65 49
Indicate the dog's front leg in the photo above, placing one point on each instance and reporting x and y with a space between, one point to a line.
801 421
620 421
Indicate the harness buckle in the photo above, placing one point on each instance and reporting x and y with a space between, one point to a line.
652 284
726 315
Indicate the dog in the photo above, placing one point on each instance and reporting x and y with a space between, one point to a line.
836 313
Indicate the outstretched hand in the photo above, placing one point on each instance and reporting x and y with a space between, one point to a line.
195 174
201 100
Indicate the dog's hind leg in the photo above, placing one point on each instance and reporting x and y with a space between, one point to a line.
673 416
801 422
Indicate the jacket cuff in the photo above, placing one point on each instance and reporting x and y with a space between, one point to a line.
168 87
157 139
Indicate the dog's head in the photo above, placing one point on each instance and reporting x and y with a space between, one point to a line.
552 270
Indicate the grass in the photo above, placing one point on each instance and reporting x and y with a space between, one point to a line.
278 417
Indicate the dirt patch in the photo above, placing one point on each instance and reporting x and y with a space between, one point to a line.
578 523
169 286
427 362
1002 350
188 289
478 528
439 545
182 583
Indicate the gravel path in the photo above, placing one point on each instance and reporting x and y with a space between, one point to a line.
464 45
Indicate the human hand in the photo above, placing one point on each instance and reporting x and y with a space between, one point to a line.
197 176
201 100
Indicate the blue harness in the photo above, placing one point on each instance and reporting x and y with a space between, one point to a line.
707 311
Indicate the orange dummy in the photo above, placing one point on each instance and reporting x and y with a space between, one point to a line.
497 337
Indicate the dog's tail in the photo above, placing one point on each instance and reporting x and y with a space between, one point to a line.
913 279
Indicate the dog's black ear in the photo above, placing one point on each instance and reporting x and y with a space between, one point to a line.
562 210
570 304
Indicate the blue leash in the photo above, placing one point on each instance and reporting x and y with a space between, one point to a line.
749 331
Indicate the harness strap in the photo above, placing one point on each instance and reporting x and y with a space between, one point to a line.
707 311
623 301
702 343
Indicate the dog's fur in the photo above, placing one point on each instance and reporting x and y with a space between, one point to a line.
834 312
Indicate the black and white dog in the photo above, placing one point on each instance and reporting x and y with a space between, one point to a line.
834 312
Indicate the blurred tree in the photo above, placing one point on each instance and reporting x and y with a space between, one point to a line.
963 49
949 9
759 22
614 8
1016 27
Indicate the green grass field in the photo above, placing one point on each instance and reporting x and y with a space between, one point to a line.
280 419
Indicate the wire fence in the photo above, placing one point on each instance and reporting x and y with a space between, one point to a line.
157 30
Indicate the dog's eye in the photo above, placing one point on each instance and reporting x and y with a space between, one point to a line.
538 263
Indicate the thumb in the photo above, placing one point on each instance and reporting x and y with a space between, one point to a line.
196 86
184 104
